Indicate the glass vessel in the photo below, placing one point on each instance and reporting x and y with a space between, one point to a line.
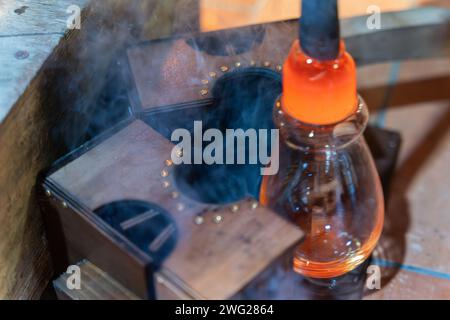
328 185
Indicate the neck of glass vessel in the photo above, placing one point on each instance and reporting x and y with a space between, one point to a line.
319 92
309 137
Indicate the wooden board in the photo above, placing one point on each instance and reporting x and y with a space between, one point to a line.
29 32
24 151
46 77
95 285
215 14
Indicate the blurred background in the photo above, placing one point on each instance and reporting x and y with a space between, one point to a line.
218 14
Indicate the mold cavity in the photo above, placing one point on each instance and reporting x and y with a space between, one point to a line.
145 224
242 100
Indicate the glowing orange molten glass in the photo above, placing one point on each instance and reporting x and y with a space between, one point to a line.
319 92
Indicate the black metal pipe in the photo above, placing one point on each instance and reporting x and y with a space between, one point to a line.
319 29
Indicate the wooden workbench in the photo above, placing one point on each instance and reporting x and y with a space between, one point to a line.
30 31
46 83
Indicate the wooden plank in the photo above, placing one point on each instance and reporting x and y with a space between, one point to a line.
409 71
411 34
404 83
217 14
114 174
95 285
58 73
29 32
25 269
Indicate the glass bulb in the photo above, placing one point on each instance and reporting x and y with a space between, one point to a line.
328 185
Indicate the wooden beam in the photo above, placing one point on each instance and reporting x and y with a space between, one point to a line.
421 33
47 73
29 32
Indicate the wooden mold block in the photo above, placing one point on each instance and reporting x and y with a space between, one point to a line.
213 257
